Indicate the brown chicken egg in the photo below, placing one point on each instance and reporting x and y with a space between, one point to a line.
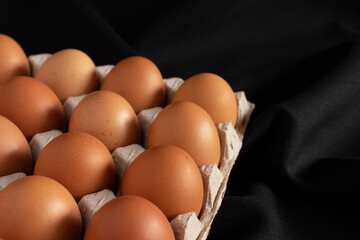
167 176
212 93
13 60
139 81
69 72
107 116
37 207
188 126
31 105
79 161
15 154
129 217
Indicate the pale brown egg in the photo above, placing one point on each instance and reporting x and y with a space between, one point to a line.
13 60
212 93
129 217
107 116
15 154
31 105
188 126
37 207
69 72
139 81
168 177
79 161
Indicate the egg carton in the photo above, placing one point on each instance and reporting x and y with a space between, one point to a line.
186 226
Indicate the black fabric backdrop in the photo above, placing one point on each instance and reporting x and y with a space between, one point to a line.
298 173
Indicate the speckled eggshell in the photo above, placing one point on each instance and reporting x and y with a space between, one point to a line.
139 81
79 161
167 176
31 105
129 217
190 127
211 92
37 207
107 116
69 72
13 60
15 153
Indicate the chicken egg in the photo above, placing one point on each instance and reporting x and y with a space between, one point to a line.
168 177
129 217
212 93
139 81
188 126
13 60
79 161
107 116
31 105
15 154
37 207
69 72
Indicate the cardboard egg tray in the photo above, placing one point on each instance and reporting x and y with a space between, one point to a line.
186 226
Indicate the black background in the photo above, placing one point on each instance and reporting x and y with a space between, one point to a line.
298 173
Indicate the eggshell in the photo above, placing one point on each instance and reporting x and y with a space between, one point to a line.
139 81
129 217
69 72
188 126
167 176
13 60
79 161
37 207
31 105
107 116
15 154
211 92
